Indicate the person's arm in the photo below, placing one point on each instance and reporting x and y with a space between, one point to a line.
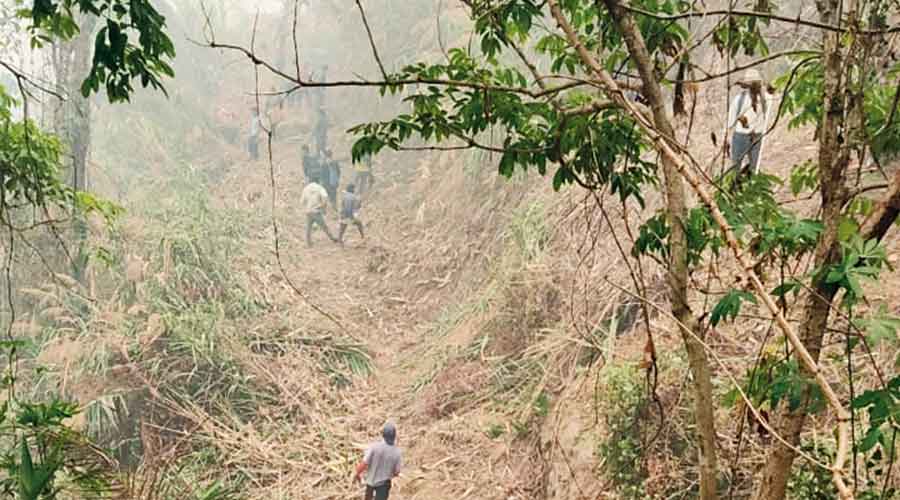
363 465
360 470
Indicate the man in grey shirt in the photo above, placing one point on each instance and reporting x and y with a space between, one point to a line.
381 463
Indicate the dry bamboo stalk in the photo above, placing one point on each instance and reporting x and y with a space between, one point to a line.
663 147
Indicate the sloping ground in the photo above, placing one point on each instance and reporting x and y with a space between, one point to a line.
490 318
479 299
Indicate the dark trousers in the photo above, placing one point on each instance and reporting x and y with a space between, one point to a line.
316 219
380 492
332 194
745 147
352 220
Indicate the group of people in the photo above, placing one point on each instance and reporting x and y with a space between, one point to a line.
747 125
323 177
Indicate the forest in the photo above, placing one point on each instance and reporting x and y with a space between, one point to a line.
539 249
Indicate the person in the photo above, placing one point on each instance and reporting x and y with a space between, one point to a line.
312 167
332 173
314 201
748 119
381 463
350 205
253 139
364 179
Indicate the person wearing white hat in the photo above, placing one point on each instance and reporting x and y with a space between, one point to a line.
748 119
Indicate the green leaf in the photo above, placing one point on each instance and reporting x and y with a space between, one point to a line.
847 229
880 327
787 287
873 437
730 306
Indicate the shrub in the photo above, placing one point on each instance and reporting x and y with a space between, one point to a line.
624 400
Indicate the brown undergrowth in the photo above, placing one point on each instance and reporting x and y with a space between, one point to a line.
495 320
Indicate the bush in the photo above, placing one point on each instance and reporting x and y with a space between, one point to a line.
624 400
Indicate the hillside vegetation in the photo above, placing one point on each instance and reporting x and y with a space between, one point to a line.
580 325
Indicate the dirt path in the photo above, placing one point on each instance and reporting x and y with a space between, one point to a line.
342 282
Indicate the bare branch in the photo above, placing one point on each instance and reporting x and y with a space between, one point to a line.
23 79
666 149
759 15
758 62
301 83
362 13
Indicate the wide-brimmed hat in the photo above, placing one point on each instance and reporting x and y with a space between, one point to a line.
751 76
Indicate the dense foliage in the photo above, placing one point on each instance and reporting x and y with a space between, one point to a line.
41 456
556 97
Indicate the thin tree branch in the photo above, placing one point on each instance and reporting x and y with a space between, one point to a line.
757 62
301 83
23 78
663 146
759 15
365 21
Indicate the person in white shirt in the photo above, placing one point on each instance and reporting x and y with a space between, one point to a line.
314 201
748 120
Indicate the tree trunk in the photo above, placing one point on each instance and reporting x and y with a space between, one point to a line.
833 159
676 207
73 63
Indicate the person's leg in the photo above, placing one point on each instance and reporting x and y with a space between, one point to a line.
359 225
370 492
383 491
754 152
341 229
320 220
740 145
310 220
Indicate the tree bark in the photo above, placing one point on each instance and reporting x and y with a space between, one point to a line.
676 208
73 63
833 158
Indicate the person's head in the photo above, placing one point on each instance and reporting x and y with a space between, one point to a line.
315 180
328 153
752 81
305 149
389 433
351 188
